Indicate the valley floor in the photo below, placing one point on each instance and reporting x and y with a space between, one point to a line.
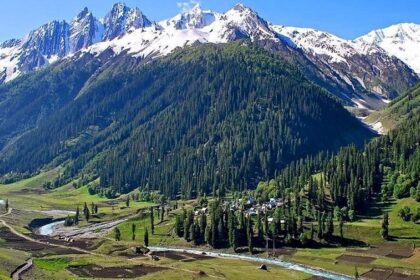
100 256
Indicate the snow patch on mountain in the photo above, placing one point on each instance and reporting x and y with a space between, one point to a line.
400 40
356 67
196 25
335 49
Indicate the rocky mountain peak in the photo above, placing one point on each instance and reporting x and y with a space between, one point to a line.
82 14
121 19
85 30
194 18
49 39
244 22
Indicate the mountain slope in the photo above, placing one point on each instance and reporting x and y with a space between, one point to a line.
29 99
365 69
204 117
404 107
388 166
361 76
400 40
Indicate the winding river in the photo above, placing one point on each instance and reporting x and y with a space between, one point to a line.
49 229
267 261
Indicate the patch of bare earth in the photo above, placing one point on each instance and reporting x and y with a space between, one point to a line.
177 256
388 274
95 271
356 259
281 252
396 251
18 243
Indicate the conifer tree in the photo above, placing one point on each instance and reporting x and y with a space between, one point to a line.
385 227
152 220
85 209
162 213
208 235
259 227
250 234
133 232
87 214
203 225
312 231
179 226
77 216
330 226
319 231
146 237
192 236
417 196
213 230
117 234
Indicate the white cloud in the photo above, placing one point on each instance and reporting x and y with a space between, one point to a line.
187 5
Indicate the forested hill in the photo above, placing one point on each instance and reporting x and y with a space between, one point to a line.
388 166
206 117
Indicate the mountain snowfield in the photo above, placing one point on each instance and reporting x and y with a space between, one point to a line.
363 66
401 40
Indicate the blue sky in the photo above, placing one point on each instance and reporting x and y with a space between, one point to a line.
345 18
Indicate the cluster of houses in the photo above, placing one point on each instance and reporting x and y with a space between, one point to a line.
250 206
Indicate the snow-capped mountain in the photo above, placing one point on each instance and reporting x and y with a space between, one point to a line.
188 28
362 74
365 68
401 40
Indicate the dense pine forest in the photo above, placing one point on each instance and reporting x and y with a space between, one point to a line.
388 166
205 118
318 195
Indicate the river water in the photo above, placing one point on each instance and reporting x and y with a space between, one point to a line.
49 229
267 261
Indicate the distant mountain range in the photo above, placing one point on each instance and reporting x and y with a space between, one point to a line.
364 73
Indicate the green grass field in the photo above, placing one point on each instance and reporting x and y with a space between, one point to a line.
29 197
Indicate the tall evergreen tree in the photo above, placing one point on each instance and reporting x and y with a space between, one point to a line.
133 232
77 216
385 227
117 234
146 237
152 220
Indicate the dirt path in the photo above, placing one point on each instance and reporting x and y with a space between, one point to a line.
8 213
22 269
21 235
29 263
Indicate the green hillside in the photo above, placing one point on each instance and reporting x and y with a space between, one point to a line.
204 118
402 108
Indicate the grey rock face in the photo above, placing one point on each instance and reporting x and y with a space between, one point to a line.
10 43
50 39
85 30
121 19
